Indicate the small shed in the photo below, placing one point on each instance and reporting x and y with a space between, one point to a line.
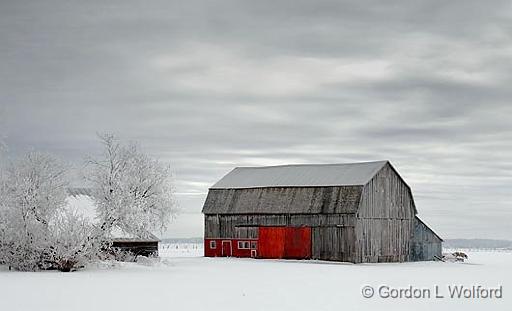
425 243
80 200
355 212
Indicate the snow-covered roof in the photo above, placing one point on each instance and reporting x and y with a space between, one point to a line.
80 191
81 203
307 175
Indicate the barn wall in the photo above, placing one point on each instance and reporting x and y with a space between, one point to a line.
333 243
333 235
385 219
289 200
425 244
140 248
383 240
245 226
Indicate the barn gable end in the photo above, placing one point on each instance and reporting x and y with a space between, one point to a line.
385 218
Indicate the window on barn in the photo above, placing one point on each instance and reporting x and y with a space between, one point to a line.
253 244
213 244
243 245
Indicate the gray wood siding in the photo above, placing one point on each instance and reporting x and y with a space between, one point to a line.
385 219
333 243
291 200
386 196
240 226
425 244
383 240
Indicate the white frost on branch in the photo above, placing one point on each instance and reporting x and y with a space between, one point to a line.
132 191
73 242
33 191
35 233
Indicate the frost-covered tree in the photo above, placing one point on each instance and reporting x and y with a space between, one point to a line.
33 191
132 191
73 242
35 231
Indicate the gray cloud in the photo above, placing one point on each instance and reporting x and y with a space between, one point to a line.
212 85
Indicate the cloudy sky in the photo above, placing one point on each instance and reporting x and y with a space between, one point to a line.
209 85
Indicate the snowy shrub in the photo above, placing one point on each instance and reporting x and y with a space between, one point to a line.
122 255
33 191
455 257
132 191
23 242
35 233
73 242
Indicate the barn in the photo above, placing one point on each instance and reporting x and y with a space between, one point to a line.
353 212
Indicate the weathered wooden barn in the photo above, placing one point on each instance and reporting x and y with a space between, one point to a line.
356 212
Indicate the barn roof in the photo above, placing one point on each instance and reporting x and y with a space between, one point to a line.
307 175
284 200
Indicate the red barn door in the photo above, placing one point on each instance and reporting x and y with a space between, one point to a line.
271 242
227 248
284 242
298 243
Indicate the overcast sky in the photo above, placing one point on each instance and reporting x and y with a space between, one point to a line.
210 85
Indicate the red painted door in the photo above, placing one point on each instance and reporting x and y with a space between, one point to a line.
284 242
227 249
271 242
298 243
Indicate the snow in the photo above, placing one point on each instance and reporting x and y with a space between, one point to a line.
82 205
181 250
183 280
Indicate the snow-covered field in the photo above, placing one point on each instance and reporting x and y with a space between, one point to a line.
183 280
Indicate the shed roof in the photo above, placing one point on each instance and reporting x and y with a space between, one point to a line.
306 175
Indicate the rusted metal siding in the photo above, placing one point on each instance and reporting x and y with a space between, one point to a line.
292 200
385 219
425 244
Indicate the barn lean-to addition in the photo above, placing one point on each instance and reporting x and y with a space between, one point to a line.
355 212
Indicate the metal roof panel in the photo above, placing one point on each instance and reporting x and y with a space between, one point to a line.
304 175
